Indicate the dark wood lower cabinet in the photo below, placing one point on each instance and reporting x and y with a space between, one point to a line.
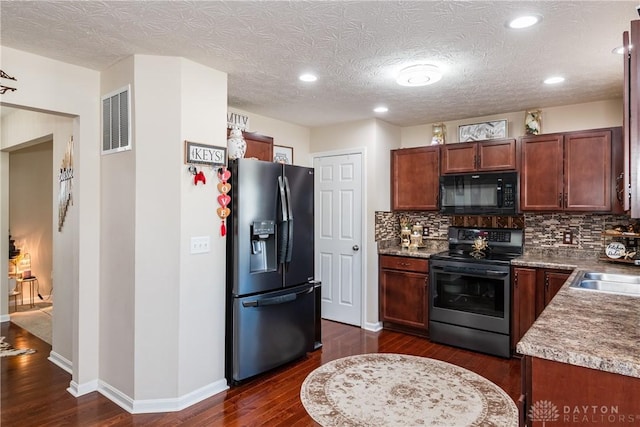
404 294
524 302
533 290
558 394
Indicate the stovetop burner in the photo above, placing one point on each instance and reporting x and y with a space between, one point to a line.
503 245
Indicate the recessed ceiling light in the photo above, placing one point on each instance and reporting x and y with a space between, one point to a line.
554 80
381 109
524 21
308 77
419 75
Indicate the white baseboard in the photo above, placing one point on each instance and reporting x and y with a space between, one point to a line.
5 318
160 405
78 390
373 327
61 362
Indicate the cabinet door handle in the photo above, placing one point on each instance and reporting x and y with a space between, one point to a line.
566 199
560 200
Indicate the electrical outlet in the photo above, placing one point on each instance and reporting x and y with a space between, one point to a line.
200 245
567 237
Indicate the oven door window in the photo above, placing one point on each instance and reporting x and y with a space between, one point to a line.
470 293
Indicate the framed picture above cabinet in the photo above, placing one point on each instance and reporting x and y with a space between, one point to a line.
283 154
481 131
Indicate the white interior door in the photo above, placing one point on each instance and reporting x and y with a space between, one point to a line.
338 223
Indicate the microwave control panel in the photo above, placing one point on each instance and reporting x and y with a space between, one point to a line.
509 195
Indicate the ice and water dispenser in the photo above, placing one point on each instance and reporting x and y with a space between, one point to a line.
263 246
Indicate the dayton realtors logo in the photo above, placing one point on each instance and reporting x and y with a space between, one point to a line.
545 411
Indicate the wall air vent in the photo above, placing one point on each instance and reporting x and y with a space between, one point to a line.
116 121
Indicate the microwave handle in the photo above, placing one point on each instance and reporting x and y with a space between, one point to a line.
500 195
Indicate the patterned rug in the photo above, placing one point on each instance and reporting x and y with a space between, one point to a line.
400 390
7 350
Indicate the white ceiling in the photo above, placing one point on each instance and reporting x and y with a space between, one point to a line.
354 47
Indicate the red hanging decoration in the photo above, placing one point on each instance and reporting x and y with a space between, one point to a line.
224 199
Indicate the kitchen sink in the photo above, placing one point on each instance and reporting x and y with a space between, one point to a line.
621 284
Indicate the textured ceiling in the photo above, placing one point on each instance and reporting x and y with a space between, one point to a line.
354 47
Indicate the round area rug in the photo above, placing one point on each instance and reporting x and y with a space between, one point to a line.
400 390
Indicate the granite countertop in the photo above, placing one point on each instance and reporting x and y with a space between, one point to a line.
585 328
579 327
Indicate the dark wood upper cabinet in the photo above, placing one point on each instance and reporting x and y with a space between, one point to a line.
587 171
541 187
493 155
415 178
573 171
258 146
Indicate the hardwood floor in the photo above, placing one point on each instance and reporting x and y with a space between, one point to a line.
33 390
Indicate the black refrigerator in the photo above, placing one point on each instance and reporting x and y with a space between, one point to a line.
271 310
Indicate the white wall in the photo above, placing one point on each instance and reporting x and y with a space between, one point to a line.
593 115
23 128
202 278
117 249
283 133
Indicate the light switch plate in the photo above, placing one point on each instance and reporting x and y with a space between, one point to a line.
567 237
200 245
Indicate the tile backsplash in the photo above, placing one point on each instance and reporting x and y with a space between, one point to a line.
541 231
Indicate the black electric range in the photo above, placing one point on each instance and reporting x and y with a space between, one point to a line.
470 289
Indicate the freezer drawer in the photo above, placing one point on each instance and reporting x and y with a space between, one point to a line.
269 330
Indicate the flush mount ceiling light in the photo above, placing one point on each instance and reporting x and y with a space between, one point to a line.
308 78
381 109
554 80
620 49
419 75
524 21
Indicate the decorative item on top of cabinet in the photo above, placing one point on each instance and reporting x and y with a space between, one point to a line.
533 122
404 285
258 146
492 155
415 178
236 145
482 131
439 134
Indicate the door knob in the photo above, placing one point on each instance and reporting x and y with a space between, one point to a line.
356 247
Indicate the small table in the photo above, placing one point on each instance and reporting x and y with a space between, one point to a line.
31 281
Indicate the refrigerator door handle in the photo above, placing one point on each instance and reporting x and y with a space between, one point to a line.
290 222
288 190
282 299
290 241
283 232
283 199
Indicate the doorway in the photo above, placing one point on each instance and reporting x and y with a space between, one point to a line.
31 229
338 236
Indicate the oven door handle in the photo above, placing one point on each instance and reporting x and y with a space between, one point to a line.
475 271
496 273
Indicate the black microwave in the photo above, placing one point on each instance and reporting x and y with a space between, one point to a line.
479 194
